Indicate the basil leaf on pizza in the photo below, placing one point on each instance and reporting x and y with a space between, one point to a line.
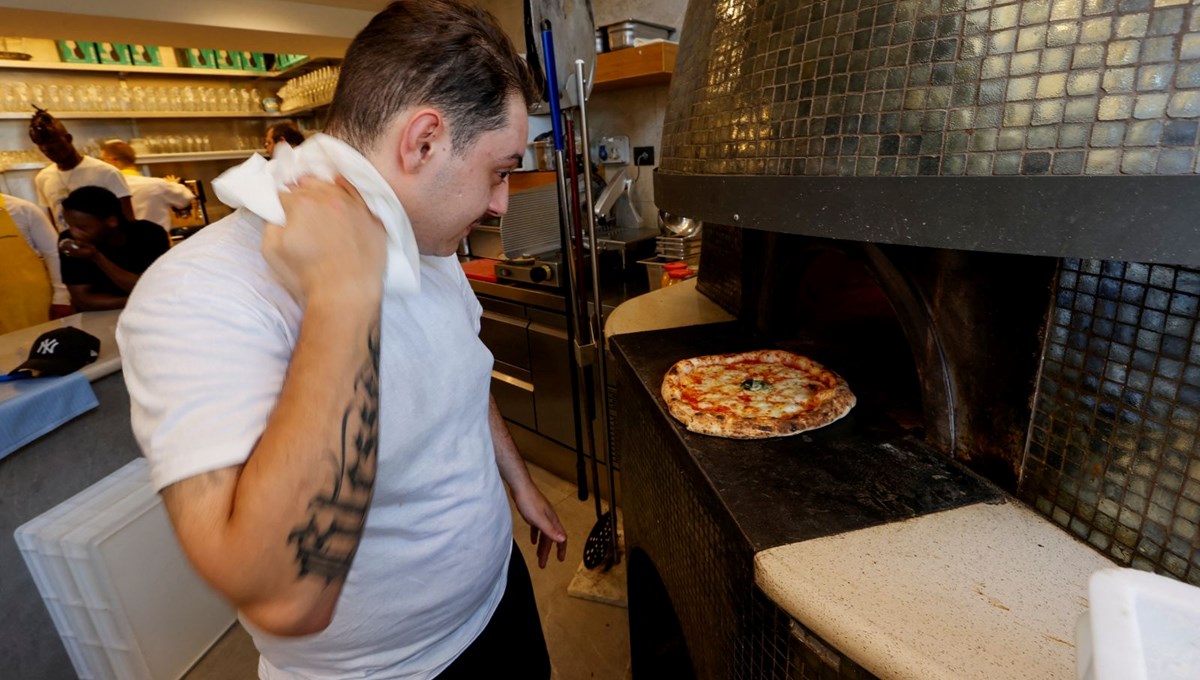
755 395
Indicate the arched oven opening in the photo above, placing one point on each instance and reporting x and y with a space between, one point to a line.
938 344
825 300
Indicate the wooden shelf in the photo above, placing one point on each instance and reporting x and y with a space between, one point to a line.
306 66
650 64
130 115
300 111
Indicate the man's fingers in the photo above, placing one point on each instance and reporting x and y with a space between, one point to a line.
348 188
543 551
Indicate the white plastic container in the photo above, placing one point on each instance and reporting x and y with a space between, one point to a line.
1140 626
124 599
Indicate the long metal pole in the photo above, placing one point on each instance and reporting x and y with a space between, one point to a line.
564 217
597 315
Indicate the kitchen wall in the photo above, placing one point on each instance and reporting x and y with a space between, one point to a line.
636 112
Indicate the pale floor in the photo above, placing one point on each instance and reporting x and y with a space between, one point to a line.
586 639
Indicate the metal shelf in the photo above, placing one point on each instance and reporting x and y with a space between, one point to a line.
195 156
133 70
292 71
152 158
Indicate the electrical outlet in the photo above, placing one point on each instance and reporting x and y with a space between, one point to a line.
643 155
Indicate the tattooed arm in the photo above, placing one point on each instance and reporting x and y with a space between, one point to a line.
277 535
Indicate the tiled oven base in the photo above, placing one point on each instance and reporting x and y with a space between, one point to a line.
698 508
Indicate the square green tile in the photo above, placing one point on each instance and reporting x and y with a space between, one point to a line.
1062 33
1051 85
1083 82
1095 30
1154 78
1024 63
1066 9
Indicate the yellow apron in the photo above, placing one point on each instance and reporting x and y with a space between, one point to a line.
24 284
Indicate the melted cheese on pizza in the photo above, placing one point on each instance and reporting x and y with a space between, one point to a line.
750 389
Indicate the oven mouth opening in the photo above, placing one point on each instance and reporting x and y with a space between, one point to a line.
829 305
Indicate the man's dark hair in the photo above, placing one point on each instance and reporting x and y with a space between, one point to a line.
95 201
43 127
441 53
286 132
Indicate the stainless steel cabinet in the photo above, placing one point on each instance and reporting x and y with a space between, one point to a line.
531 379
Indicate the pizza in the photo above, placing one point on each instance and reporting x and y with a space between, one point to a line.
754 395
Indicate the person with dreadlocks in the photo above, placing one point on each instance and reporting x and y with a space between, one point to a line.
69 169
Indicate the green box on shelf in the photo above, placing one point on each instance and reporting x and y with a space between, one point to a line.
113 53
228 60
283 61
77 52
253 61
198 58
145 55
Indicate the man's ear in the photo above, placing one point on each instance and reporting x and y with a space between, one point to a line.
112 222
421 139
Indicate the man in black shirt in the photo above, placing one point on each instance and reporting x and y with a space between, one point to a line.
102 253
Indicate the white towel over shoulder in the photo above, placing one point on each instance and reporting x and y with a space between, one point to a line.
257 183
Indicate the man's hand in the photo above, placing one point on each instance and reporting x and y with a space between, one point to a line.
331 244
80 250
544 527
173 179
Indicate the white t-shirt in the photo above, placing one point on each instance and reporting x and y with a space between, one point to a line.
205 343
54 185
33 224
153 198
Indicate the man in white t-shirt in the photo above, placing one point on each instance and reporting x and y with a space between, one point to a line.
69 169
328 451
35 227
153 197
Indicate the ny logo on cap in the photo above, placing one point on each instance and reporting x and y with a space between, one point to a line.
47 346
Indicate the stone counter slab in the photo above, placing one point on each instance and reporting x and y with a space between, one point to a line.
983 592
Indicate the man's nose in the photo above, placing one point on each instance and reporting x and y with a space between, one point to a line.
499 203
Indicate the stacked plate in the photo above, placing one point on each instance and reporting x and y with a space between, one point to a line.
679 248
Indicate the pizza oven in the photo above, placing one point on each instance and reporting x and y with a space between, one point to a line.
981 213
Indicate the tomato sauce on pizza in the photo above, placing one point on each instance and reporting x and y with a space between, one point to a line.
764 393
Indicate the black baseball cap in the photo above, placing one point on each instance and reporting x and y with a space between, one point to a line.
59 352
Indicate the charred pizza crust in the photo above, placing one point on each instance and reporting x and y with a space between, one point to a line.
706 408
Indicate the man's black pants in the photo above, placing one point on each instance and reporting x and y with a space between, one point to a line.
512 645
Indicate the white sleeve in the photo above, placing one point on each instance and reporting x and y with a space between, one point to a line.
39 186
176 194
203 369
35 226
115 182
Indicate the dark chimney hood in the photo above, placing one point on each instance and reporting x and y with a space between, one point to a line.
1064 128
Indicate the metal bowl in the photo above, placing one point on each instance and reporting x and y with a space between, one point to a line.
679 226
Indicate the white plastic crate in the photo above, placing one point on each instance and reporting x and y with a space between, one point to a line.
122 595
1140 626
36 541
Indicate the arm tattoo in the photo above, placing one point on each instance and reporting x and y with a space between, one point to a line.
326 544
